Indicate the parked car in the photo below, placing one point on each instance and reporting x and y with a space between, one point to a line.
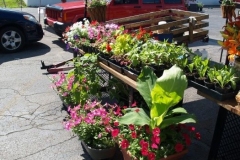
18 28
59 16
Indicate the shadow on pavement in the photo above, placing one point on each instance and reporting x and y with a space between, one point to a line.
30 50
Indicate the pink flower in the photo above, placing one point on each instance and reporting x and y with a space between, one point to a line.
115 132
179 147
191 129
134 104
124 144
154 146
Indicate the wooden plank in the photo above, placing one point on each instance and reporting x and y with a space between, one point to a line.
146 22
230 105
118 75
140 16
196 36
168 25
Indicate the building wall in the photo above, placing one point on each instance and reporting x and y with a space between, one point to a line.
36 3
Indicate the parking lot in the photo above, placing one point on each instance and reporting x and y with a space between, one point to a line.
30 111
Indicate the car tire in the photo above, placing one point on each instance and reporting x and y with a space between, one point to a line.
12 39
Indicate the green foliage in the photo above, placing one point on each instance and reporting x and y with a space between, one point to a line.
161 95
13 4
225 76
228 2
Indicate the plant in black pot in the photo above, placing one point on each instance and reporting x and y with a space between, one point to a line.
201 67
225 80
210 80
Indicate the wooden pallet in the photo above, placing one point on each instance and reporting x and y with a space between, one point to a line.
178 23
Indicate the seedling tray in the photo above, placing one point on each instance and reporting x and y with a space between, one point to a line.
211 92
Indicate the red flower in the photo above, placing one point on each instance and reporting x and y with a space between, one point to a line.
198 136
147 129
156 131
108 48
187 139
134 135
118 111
178 147
151 156
143 144
124 144
116 123
115 132
155 139
131 127
144 151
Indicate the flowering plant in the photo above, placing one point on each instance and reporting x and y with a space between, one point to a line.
231 34
97 3
92 123
142 142
161 95
81 82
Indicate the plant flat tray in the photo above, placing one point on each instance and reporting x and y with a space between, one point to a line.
212 93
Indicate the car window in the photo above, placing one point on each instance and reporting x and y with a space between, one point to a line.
151 1
172 1
125 1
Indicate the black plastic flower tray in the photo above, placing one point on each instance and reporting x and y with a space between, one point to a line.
130 74
116 67
211 92
103 60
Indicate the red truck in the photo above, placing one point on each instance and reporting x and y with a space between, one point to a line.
59 16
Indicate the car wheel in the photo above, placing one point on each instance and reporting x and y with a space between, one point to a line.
11 39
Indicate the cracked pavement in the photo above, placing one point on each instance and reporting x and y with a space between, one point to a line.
30 111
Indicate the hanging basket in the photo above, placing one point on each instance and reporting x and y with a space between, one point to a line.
97 13
227 11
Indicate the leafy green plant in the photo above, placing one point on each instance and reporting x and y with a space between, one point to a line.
202 67
225 76
200 4
160 94
211 74
227 2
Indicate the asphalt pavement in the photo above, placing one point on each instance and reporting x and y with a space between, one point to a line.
30 111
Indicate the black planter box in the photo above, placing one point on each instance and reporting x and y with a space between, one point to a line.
115 66
130 74
103 60
212 93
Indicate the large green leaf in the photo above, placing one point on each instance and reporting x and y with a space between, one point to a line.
167 92
146 82
184 118
135 116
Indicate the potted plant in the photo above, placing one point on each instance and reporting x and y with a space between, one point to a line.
201 67
92 123
200 6
228 9
225 80
81 82
160 134
210 80
97 9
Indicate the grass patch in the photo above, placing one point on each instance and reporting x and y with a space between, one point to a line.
12 3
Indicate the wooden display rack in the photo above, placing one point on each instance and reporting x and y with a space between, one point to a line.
180 21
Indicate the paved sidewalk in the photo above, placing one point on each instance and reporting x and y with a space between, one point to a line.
30 111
